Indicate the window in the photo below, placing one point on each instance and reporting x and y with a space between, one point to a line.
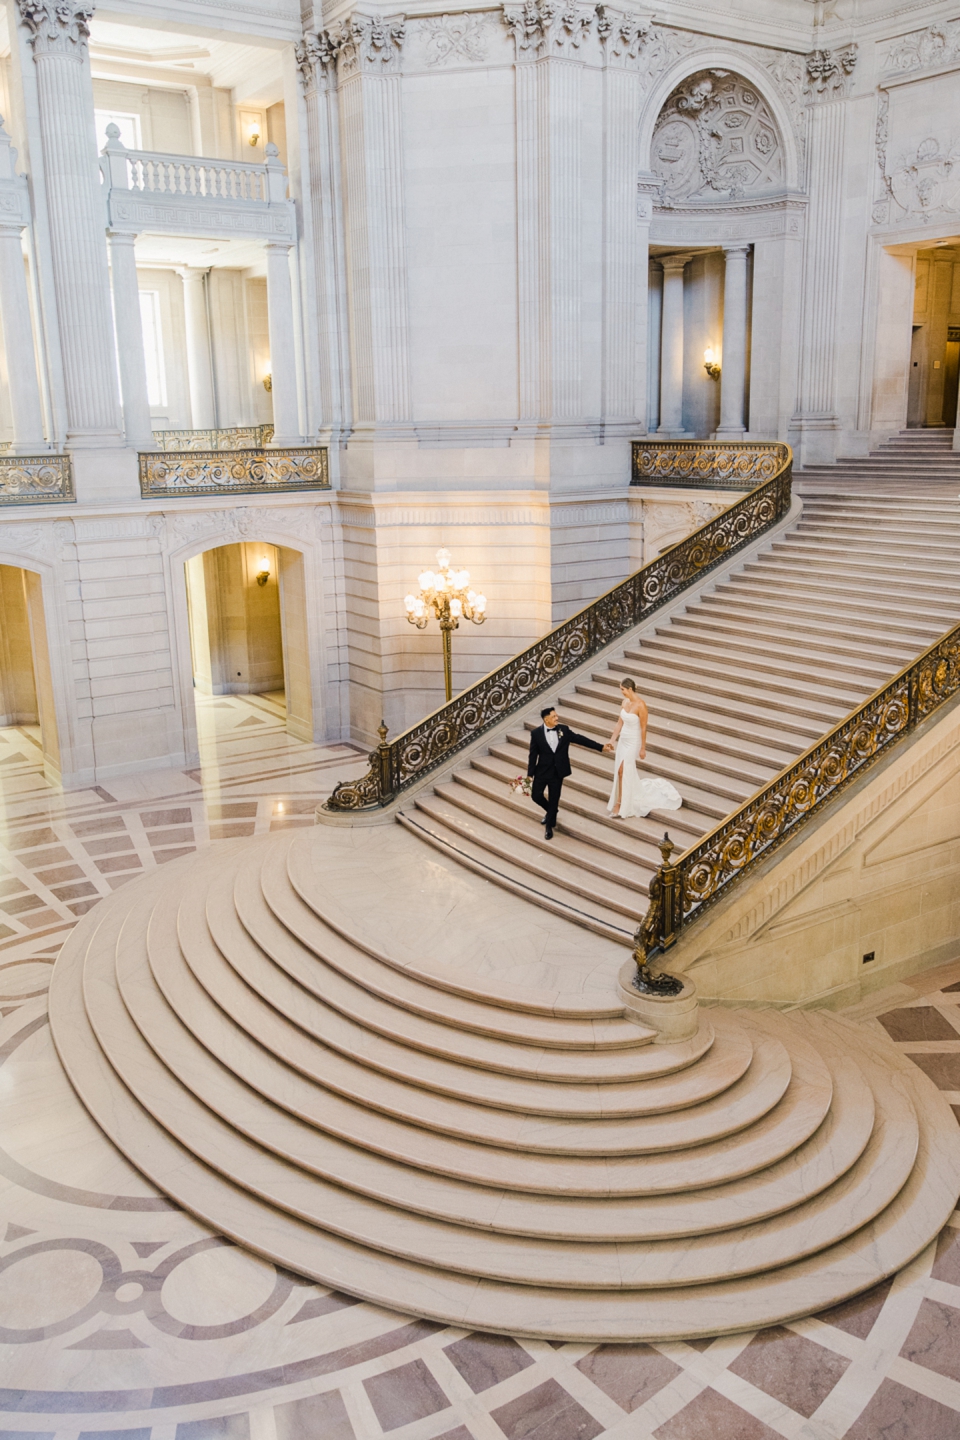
128 125
153 347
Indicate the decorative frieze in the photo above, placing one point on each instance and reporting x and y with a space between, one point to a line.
937 45
245 522
448 39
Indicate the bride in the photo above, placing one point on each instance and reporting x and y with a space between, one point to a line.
630 795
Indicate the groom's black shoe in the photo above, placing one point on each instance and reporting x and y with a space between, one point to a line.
548 833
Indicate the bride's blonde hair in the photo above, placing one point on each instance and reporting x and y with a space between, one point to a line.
629 685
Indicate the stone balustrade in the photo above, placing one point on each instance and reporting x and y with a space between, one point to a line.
36 479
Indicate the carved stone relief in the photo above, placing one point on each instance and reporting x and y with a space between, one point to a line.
361 43
920 184
60 28
937 45
828 72
451 38
544 27
715 134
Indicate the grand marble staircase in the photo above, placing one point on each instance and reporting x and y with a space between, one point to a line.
751 674
912 462
269 1035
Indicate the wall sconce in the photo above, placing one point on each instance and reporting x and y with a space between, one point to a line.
263 574
251 127
254 137
268 382
711 364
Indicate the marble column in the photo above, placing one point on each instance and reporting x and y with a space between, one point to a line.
58 35
203 410
671 345
22 382
133 366
283 356
733 374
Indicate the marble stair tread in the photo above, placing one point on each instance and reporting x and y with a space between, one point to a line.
823 1160
810 579
839 1271
782 656
848 1205
900 541
856 604
593 699
728 703
796 1119
766 682
762 604
728 683
611 924
583 818
839 553
265 985
556 863
291 932
593 775
479 795
801 638
590 1049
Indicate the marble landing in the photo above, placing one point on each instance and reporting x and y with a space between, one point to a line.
121 1316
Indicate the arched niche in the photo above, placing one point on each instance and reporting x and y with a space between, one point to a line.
716 139
731 77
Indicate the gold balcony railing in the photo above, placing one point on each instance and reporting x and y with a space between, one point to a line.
684 888
235 472
686 463
36 480
399 763
236 437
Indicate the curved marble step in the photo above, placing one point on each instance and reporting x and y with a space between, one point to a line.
371 1066
849 1203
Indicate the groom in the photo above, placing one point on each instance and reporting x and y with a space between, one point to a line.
549 763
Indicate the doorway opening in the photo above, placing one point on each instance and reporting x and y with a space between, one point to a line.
248 638
30 750
935 349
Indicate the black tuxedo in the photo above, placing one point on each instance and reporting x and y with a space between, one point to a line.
549 768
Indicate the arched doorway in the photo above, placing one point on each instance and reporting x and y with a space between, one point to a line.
28 722
246 605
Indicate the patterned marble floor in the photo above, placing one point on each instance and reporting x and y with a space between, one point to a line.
121 1316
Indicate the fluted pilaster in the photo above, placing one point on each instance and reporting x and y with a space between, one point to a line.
58 36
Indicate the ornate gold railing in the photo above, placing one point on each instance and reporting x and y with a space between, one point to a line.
212 472
399 763
689 462
36 480
684 888
237 437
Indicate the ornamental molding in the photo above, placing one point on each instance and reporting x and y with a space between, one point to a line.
57 27
247 522
41 541
623 36
921 183
542 28
937 45
385 518
249 219
761 220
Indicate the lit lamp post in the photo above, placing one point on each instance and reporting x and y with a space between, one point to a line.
445 595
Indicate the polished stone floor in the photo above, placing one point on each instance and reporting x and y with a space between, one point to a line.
121 1316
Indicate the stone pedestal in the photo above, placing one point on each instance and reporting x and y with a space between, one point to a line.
674 1017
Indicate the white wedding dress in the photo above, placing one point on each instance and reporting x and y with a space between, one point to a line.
639 796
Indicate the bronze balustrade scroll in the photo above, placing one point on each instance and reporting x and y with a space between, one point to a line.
399 763
36 480
707 871
211 472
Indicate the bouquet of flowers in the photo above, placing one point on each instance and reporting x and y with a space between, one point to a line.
522 785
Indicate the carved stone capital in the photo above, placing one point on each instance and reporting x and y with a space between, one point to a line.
57 27
624 37
828 72
316 57
369 45
546 27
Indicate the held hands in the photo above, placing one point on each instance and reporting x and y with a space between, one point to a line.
608 748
